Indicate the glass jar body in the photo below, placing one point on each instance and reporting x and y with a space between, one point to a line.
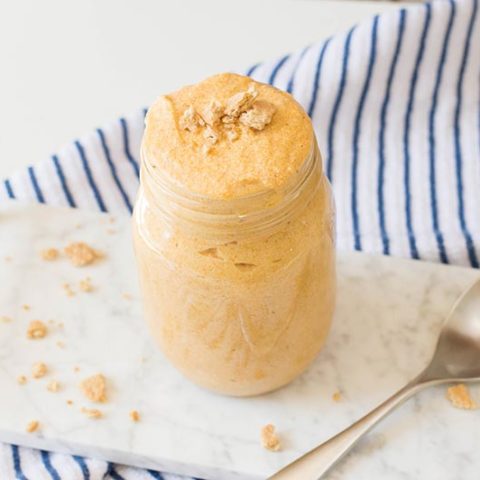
237 312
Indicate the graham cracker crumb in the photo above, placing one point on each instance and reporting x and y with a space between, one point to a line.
191 120
86 285
68 290
459 396
81 254
210 135
7 258
232 134
60 344
94 388
26 307
39 370
259 116
135 416
49 254
270 441
53 386
127 296
213 113
111 231
36 329
33 426
5 319
92 412
240 102
337 396
21 379
228 120
69 402
76 369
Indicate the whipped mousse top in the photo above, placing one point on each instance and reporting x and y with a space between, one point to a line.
227 137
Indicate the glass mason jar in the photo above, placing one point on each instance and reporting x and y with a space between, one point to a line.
239 294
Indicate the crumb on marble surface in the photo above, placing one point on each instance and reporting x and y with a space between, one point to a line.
85 285
7 258
127 296
21 379
36 330
135 416
26 307
95 388
81 254
5 319
39 370
33 426
459 397
53 386
49 254
269 438
76 369
69 402
92 412
337 396
60 344
68 290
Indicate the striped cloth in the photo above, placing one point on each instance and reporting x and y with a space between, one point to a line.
395 103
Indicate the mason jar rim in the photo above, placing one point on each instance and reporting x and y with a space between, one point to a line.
262 208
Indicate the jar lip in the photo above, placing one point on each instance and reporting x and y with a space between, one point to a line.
230 209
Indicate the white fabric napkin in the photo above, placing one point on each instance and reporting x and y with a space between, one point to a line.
395 103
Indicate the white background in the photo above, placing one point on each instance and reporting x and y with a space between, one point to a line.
67 66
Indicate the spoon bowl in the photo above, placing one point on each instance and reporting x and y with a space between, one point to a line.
457 355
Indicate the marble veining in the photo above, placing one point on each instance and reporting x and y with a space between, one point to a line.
389 312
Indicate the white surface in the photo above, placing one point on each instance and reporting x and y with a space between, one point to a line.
67 67
389 312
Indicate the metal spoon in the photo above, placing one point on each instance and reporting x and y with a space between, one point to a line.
456 359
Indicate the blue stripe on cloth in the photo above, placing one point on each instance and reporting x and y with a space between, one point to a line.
356 135
291 82
83 466
316 81
63 181
48 465
458 148
8 188
113 473
155 474
126 147
251 70
431 138
383 128
113 170
35 185
277 68
336 105
17 466
406 133
88 173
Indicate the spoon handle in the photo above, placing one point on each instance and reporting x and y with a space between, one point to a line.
318 461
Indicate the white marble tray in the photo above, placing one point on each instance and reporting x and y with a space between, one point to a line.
388 314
